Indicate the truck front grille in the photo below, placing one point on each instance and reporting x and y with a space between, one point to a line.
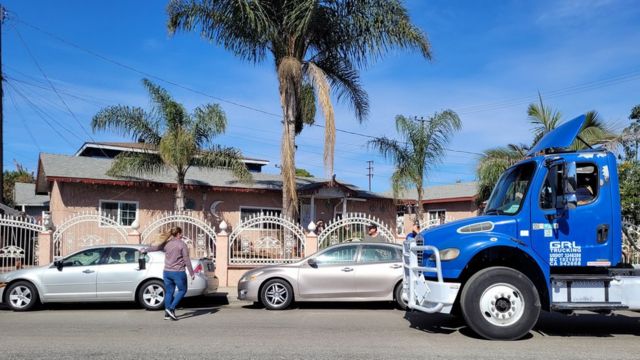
419 253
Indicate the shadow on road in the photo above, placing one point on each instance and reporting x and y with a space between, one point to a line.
333 305
588 324
549 324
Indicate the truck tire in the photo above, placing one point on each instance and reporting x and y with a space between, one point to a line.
276 294
500 303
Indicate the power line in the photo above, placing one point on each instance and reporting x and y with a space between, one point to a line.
24 123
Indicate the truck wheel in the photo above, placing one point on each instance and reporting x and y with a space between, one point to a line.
276 294
500 303
21 296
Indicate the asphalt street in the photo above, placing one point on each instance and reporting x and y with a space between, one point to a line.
214 327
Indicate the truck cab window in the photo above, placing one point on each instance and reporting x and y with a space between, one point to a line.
587 183
552 187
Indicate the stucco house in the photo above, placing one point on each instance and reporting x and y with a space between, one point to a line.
27 201
79 183
440 203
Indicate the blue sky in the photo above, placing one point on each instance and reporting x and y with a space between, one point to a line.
490 60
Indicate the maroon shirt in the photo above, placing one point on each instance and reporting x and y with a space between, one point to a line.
176 255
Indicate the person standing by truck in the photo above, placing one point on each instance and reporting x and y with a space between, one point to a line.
176 259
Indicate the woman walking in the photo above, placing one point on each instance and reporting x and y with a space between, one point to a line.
176 259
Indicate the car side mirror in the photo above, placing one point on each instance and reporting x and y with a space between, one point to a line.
568 200
312 262
58 264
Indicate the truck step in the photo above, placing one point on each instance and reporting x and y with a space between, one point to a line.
582 277
564 306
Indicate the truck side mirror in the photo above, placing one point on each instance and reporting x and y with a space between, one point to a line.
569 199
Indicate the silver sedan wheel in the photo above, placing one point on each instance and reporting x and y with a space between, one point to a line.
276 295
20 297
153 295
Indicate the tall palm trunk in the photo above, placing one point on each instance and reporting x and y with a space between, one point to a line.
420 210
289 76
180 192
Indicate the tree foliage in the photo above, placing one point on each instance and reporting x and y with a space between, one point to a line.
11 177
422 146
543 119
318 48
177 140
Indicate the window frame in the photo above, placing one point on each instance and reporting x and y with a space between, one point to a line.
393 249
118 218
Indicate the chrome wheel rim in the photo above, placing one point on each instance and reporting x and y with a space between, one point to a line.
153 295
276 294
502 304
20 297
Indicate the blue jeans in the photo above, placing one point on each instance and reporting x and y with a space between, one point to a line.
173 279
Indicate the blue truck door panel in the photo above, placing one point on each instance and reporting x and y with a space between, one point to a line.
581 236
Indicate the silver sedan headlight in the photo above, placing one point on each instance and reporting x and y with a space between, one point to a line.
251 276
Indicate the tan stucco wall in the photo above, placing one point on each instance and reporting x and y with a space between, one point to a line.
454 211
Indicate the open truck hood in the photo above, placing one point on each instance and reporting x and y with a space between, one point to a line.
560 137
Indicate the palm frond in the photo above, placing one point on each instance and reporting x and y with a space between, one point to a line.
218 157
209 121
128 121
177 148
241 26
130 164
306 108
345 82
173 113
543 119
319 81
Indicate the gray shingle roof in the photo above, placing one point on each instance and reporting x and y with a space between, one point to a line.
25 194
457 190
78 167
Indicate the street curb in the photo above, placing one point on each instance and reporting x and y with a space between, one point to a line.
231 295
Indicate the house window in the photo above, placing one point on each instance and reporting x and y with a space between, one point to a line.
123 212
437 216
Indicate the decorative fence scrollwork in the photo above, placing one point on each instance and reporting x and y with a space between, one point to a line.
631 243
18 242
266 239
352 227
87 229
196 231
435 222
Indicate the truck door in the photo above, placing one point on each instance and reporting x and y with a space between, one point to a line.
579 236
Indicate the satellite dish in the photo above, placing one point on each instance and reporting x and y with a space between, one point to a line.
213 209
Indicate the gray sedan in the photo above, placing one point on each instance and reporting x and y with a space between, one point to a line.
100 273
344 272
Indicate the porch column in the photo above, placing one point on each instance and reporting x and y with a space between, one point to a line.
344 206
310 244
44 247
313 210
222 258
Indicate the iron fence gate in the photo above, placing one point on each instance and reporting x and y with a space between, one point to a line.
18 242
196 231
87 229
352 227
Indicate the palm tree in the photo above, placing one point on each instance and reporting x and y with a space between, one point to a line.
318 47
178 140
422 146
544 119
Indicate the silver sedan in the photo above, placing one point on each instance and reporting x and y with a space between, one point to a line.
100 273
344 272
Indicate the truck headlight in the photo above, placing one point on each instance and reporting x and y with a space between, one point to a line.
446 254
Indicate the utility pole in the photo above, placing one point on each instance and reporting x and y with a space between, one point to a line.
370 174
3 16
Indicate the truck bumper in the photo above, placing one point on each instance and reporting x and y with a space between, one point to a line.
426 295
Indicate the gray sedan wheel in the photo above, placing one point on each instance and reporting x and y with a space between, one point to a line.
276 294
21 296
151 295
397 295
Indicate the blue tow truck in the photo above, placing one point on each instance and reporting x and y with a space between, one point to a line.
550 239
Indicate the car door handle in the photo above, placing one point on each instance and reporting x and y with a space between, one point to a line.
347 269
88 271
395 266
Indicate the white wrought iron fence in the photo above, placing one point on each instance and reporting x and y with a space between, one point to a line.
631 243
197 231
266 239
353 227
435 222
18 242
87 229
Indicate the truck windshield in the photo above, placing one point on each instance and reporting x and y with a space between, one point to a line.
509 193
